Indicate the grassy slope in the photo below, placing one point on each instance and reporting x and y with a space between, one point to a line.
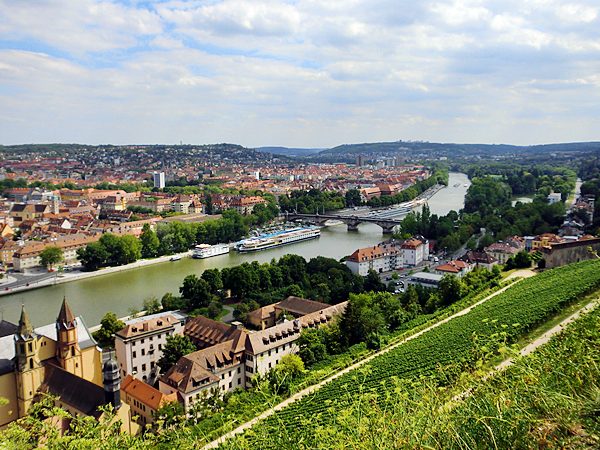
442 353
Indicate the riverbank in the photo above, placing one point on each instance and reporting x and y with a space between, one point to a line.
68 277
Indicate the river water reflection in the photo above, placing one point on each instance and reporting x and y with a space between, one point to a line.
119 292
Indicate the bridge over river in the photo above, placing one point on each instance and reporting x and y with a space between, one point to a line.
351 221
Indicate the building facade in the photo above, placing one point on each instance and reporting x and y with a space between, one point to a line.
139 345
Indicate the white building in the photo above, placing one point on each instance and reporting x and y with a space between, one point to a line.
554 197
159 179
139 345
380 258
415 251
425 279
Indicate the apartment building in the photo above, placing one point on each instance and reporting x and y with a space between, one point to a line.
139 345
415 251
233 355
380 258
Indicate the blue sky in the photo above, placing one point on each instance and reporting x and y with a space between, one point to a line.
310 73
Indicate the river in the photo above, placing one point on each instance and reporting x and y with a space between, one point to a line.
118 292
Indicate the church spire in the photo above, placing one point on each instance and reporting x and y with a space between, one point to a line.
66 319
25 329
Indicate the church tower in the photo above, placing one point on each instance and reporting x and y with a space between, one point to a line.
68 352
29 372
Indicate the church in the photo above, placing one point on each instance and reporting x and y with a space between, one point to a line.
62 360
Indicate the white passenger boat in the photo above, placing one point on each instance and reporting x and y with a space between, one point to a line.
278 239
206 251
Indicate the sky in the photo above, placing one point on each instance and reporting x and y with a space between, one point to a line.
300 73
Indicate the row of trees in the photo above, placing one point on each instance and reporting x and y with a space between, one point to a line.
439 176
539 179
170 238
254 284
370 316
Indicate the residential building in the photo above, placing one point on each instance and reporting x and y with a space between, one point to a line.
267 316
159 180
28 255
139 345
479 259
144 399
457 268
554 197
380 258
415 250
27 211
503 250
231 356
245 205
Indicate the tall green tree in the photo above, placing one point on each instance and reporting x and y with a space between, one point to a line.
93 256
109 325
175 347
50 256
149 241
196 291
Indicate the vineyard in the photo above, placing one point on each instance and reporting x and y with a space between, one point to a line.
441 354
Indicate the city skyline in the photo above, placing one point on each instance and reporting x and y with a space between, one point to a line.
299 74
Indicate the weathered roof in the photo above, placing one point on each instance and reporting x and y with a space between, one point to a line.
374 252
147 326
77 392
205 332
7 328
145 393
300 306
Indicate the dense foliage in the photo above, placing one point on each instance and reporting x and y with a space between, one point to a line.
487 206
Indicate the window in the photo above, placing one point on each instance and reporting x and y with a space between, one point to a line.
142 341
152 364
134 355
239 381
30 346
222 376
150 339
143 352
277 350
249 358
31 363
134 369
160 346
239 369
269 352
229 373
143 367
269 365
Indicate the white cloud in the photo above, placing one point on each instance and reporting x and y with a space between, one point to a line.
303 72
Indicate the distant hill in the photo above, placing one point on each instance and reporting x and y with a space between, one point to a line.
455 149
287 151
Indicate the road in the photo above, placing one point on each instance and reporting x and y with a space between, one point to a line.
522 274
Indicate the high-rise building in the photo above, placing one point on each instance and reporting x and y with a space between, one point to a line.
159 179
360 160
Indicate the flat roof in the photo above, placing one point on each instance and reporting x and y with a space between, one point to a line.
426 276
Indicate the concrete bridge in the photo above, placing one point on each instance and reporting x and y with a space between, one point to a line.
351 221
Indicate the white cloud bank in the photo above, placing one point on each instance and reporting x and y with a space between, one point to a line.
299 73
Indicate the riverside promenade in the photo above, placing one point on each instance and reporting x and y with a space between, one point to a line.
40 278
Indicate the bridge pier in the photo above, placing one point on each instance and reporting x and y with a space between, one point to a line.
387 228
352 226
